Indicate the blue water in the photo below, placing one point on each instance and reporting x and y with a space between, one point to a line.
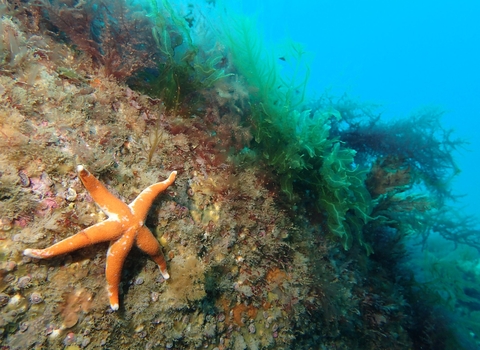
403 55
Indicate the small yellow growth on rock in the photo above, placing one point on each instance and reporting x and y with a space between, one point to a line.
72 347
163 241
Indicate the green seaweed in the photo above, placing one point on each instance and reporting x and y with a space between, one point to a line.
296 143
183 69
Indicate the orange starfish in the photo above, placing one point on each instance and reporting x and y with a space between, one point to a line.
124 227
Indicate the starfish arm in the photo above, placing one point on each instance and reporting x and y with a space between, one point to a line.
147 242
111 205
142 203
116 255
102 232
